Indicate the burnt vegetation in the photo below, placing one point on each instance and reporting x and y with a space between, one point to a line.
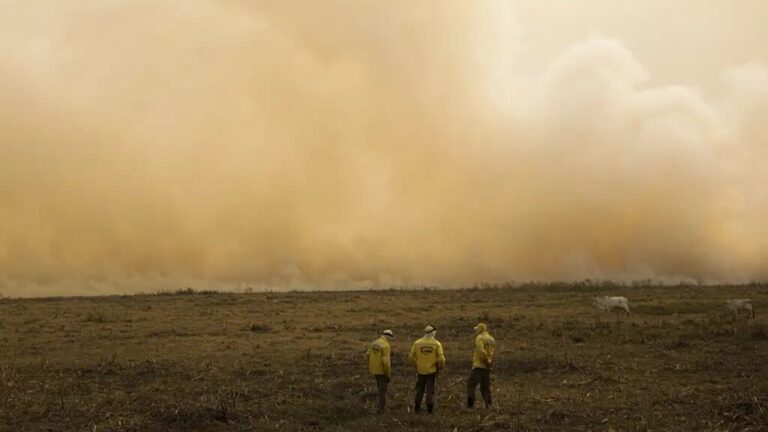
215 361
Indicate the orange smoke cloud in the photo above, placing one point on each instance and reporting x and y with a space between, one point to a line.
152 145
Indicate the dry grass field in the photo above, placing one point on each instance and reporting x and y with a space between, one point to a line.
294 361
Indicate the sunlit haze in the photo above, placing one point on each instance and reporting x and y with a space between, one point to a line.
151 145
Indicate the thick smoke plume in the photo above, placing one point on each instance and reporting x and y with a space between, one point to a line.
149 145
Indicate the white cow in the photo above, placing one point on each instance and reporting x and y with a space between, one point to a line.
608 304
738 305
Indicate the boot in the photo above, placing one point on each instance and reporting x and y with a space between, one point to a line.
470 402
417 407
430 408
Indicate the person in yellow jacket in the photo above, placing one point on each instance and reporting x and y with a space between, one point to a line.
482 360
380 364
428 358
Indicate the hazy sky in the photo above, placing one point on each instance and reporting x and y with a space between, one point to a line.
159 144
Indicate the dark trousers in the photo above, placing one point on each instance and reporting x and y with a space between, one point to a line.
425 382
483 377
382 382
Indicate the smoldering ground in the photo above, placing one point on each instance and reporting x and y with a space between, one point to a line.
360 144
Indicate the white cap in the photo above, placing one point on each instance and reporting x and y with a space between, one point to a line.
388 332
429 329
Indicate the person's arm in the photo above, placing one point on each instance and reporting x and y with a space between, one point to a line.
482 354
491 352
385 361
412 355
440 357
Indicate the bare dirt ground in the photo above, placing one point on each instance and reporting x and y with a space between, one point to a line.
294 361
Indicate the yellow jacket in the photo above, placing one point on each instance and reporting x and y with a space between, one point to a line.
484 346
427 355
379 353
